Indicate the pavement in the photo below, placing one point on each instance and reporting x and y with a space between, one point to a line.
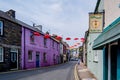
83 73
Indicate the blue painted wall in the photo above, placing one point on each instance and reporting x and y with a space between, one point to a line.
118 64
105 63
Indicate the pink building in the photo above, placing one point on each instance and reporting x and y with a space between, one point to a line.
38 51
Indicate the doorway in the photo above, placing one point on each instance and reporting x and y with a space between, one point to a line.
37 59
114 50
14 59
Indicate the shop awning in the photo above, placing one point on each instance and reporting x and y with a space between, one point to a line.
109 34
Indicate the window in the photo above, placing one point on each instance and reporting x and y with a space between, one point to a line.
1 28
57 46
96 56
1 54
30 55
44 57
53 44
31 37
45 42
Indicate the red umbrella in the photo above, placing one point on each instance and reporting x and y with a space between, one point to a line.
46 36
36 33
78 43
68 38
58 37
82 39
75 45
76 38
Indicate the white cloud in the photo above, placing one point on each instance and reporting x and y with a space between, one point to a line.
64 17
57 8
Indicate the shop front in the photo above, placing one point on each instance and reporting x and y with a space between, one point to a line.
109 42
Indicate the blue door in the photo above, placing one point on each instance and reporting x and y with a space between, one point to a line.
37 60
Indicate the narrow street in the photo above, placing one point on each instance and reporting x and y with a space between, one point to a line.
58 72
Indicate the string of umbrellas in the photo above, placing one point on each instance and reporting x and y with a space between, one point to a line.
78 40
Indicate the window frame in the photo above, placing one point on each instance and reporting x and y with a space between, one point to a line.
2 54
45 42
1 32
53 44
32 36
45 57
30 58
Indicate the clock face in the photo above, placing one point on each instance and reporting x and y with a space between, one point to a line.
95 24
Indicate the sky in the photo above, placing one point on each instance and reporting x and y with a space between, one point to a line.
66 18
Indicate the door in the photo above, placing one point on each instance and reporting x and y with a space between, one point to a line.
114 62
13 60
37 60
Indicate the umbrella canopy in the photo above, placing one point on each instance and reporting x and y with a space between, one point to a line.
68 38
76 38
36 33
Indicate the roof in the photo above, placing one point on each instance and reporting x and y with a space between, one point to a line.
109 34
14 20
5 16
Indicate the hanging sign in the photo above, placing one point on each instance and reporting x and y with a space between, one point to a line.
95 22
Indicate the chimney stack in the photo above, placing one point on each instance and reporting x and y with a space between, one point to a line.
39 27
11 13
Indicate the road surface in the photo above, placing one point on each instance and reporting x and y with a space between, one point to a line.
59 72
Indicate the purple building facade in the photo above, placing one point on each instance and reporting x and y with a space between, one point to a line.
38 51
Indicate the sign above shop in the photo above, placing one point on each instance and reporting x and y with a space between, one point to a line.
95 22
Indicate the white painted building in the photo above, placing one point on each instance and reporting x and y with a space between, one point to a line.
111 9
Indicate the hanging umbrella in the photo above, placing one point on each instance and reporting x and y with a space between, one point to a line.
36 33
76 38
68 38
58 37
78 43
82 39
46 36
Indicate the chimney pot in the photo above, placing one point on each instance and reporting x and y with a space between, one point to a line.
11 13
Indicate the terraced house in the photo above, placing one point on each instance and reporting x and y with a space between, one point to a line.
23 46
10 41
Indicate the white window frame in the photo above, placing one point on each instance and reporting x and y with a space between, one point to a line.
95 56
1 54
1 28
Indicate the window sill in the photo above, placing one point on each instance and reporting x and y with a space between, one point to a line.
30 61
45 61
45 47
32 43
95 61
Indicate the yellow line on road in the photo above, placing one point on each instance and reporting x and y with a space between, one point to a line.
75 73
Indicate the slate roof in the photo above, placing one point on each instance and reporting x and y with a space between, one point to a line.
5 16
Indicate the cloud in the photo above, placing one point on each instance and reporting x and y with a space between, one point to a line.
62 17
